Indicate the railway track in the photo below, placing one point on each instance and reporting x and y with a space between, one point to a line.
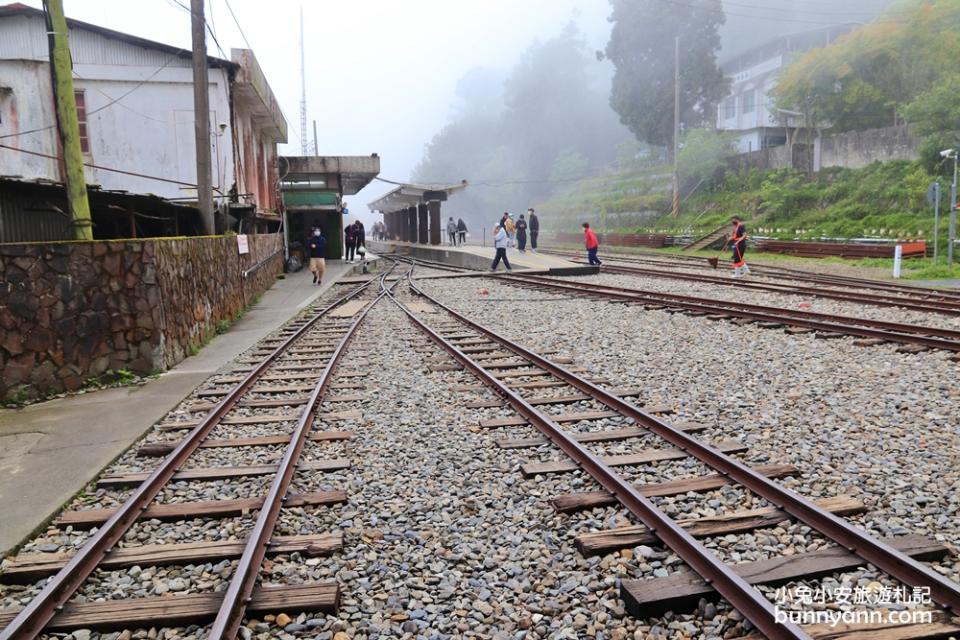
540 391
826 325
272 405
930 295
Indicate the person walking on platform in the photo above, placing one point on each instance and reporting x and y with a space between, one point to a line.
349 242
452 232
462 231
738 241
534 229
592 244
317 248
500 241
522 234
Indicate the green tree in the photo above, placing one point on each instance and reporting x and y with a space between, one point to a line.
641 48
935 116
703 153
866 78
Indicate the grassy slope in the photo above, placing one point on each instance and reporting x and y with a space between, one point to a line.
882 200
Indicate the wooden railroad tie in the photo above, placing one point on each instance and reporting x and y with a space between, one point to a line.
596 436
28 568
601 542
541 400
182 610
353 414
682 592
275 403
531 469
160 449
583 500
567 417
222 473
86 518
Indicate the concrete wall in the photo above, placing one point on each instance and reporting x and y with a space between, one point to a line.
72 310
857 149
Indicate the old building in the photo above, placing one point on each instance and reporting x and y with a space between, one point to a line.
135 106
748 110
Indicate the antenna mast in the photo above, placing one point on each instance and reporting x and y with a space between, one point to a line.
303 97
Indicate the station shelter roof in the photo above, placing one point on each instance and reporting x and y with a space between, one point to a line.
405 196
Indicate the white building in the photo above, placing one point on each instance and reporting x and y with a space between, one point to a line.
135 106
749 110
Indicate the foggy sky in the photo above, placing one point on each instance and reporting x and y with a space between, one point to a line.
381 74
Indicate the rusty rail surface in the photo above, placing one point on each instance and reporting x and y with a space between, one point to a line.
239 592
889 560
932 337
923 303
32 619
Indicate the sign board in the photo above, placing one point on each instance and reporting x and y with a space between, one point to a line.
242 244
933 193
345 211
897 258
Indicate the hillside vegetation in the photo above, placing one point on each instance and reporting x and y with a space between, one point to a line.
883 200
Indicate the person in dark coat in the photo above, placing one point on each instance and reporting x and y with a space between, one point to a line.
462 230
522 234
317 249
534 229
360 234
350 241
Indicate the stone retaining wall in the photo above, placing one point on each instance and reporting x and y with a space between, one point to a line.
73 310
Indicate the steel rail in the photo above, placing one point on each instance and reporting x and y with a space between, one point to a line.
239 592
945 307
883 556
948 339
32 619
785 272
748 600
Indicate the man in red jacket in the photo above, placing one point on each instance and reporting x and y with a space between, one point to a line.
592 243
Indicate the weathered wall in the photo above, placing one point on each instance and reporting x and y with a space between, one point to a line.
853 150
72 310
857 149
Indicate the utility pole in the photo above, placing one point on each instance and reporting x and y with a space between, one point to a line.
68 127
952 227
316 149
201 116
676 129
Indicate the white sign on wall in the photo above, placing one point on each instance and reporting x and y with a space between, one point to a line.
242 244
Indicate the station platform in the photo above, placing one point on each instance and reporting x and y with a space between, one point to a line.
50 450
479 258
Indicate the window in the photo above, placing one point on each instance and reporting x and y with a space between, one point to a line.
749 101
82 120
729 108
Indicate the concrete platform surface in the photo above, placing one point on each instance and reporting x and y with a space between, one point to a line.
51 450
480 258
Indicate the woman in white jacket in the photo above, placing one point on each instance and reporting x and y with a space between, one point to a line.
500 241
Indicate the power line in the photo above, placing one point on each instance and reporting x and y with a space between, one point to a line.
237 22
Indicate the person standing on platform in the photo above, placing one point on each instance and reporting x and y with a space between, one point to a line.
511 227
522 234
534 229
349 242
462 231
452 232
317 249
500 241
738 241
592 243
361 234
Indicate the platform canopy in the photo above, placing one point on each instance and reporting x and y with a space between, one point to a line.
405 196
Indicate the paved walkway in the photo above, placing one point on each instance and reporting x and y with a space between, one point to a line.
51 450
